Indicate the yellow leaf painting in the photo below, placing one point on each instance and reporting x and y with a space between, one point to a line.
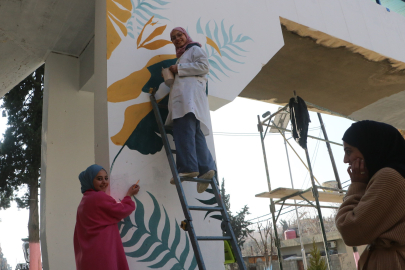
119 16
138 40
158 31
131 86
214 45
133 115
156 44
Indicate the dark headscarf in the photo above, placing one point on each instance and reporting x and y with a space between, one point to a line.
86 177
381 144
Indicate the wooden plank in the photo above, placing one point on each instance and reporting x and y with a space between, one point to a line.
331 197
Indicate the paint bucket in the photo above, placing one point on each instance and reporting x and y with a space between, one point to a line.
167 76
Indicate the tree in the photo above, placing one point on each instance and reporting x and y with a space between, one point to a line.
285 224
238 221
3 262
20 152
316 262
265 243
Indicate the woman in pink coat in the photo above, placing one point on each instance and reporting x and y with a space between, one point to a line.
97 241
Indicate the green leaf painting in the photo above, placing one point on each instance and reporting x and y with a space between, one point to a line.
142 11
210 202
157 242
230 48
156 74
145 138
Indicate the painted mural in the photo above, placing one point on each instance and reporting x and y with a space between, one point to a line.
138 47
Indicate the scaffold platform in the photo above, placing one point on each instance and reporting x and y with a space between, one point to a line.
297 194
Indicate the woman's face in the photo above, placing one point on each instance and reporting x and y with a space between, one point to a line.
178 38
351 153
101 181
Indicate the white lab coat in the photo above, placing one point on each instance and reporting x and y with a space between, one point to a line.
188 92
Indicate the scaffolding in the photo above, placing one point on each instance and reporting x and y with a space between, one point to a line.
310 195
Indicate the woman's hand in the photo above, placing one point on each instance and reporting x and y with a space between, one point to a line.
173 69
358 171
133 190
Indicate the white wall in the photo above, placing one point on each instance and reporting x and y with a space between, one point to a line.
67 149
239 38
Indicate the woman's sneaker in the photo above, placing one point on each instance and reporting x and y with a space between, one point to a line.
201 187
189 174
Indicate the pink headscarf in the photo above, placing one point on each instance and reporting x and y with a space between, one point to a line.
181 50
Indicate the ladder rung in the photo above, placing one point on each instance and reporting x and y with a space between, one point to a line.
205 208
163 106
196 180
173 151
213 238
168 127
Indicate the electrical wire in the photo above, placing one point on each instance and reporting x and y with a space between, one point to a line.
284 208
258 217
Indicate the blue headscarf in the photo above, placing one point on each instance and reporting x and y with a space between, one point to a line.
86 177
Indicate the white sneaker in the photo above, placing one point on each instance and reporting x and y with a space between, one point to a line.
190 174
201 187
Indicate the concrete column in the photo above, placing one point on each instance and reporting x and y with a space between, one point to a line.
67 149
101 137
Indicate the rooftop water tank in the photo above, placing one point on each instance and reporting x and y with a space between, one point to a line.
290 234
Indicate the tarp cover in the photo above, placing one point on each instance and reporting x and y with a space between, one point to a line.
299 120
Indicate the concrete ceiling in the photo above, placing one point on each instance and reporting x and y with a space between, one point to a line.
30 29
334 78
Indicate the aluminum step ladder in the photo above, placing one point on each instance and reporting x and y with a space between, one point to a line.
187 224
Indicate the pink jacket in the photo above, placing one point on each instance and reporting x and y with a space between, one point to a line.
97 241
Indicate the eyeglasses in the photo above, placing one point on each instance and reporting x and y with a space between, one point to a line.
178 35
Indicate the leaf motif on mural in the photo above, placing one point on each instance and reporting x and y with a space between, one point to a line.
154 45
118 13
155 241
141 12
212 201
222 48
140 130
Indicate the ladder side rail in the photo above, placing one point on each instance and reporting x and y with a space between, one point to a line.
170 158
272 205
180 191
228 227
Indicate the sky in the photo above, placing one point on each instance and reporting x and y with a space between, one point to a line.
13 225
240 162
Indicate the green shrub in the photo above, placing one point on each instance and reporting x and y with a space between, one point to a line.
316 262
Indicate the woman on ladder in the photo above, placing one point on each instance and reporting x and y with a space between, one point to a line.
188 109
